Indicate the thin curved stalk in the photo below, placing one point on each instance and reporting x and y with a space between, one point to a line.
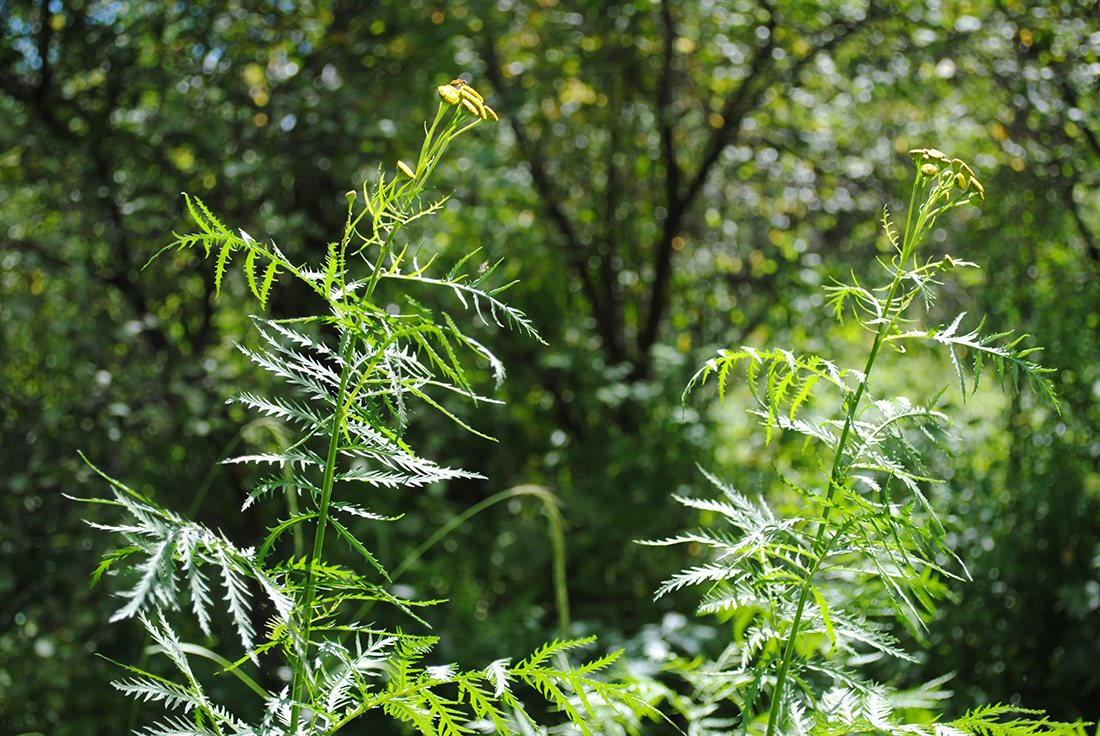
557 540
227 666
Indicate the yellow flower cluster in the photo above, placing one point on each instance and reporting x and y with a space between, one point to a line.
458 92
931 160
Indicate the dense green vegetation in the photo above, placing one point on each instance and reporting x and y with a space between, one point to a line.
666 179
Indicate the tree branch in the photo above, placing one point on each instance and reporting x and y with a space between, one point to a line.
45 81
737 105
610 332
664 108
748 95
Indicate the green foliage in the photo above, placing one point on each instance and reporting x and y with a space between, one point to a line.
810 593
357 369
109 110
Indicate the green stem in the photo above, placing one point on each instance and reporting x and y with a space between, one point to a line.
835 474
379 265
788 655
853 407
561 590
803 596
226 665
322 524
834 482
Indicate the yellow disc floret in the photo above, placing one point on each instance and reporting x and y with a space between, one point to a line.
449 94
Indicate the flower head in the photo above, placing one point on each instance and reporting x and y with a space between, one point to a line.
928 153
449 94
459 92
406 170
930 162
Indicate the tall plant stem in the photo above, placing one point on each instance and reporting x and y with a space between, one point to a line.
886 322
835 474
322 522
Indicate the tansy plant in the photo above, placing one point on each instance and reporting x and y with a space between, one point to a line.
807 597
356 369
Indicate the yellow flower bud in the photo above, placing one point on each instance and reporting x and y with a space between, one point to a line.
406 170
471 108
449 94
477 104
471 94
490 112
927 153
929 170
978 187
962 167
960 181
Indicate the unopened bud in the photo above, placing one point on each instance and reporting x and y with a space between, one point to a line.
475 101
978 187
449 94
350 196
406 170
471 108
963 168
927 153
470 93
960 181
929 170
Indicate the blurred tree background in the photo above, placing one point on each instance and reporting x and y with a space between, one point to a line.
667 178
